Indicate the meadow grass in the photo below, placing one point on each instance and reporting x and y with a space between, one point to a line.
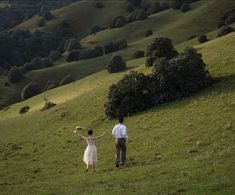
184 146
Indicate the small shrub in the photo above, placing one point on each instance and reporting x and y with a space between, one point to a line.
66 80
117 22
24 109
47 62
120 44
141 15
72 44
15 75
95 29
224 31
30 90
55 55
115 46
202 39
47 105
115 64
51 85
47 15
155 8
91 53
41 23
36 63
148 33
73 55
130 17
227 18
161 47
138 54
110 47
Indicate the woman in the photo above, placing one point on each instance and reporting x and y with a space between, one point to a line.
90 154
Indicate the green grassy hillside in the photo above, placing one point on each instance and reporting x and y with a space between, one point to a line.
180 147
77 13
202 18
174 24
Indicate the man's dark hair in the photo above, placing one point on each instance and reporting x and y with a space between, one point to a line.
121 120
90 132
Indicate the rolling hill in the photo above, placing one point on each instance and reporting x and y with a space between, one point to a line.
162 24
185 146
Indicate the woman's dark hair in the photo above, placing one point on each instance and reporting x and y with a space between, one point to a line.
89 132
121 120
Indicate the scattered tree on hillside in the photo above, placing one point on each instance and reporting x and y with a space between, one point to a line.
171 79
115 46
131 94
161 47
36 63
72 44
15 75
115 64
90 53
227 18
95 29
51 84
30 90
118 22
66 80
182 75
224 31
138 54
55 55
148 33
41 23
73 55
202 39
47 15
141 15
47 61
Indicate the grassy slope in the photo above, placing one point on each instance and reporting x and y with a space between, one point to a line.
40 154
81 16
202 18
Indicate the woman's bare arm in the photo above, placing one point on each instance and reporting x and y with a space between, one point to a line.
98 136
79 134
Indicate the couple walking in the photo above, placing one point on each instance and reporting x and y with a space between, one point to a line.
90 155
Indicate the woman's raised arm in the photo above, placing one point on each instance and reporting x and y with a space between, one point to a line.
98 136
79 134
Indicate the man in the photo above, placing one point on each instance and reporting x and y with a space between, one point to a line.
120 133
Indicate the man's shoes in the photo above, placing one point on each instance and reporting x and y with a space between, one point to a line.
117 164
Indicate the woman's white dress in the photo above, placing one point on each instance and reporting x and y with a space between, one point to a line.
90 154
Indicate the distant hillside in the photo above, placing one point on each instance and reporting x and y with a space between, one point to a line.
172 23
